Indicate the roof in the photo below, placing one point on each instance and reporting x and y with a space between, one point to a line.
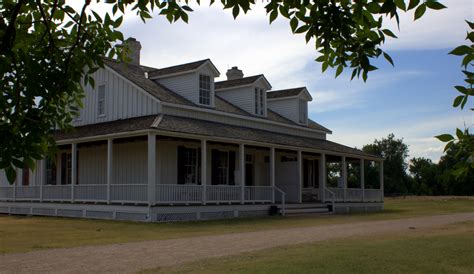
312 124
284 93
237 82
169 123
179 68
136 75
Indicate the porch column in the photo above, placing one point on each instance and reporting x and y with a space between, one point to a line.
322 177
204 170
151 168
242 172
344 177
300 175
73 168
362 178
272 172
381 179
43 178
110 151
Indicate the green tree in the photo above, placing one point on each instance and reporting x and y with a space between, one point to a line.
425 177
395 152
48 51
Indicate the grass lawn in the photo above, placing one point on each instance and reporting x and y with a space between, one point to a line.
22 234
448 249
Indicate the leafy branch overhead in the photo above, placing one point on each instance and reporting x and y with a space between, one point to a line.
464 139
49 51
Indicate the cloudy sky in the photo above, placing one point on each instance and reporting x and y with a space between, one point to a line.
412 100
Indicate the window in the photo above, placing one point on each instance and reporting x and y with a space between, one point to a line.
259 102
25 180
204 89
50 172
66 168
189 165
303 111
101 100
249 172
223 167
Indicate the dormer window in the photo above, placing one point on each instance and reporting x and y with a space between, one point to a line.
204 89
101 100
259 101
303 111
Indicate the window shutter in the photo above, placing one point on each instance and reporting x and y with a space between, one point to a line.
63 168
231 168
181 178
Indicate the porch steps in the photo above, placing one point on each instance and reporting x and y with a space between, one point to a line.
306 209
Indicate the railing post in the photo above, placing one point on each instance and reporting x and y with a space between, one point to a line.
323 176
110 151
344 177
362 178
300 175
242 172
204 170
272 172
74 169
151 168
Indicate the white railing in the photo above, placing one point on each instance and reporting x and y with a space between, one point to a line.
332 197
224 194
129 193
174 194
354 194
27 193
338 193
6 193
57 192
373 195
258 193
283 198
90 193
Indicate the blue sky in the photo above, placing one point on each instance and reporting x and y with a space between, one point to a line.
412 100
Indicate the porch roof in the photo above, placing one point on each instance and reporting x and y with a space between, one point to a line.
175 124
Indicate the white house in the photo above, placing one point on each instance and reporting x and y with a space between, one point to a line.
160 144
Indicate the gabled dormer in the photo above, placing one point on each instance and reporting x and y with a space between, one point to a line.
291 103
248 93
194 81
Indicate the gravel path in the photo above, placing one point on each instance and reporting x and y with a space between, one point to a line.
132 257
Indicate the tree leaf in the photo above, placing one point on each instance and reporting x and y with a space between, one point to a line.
11 174
389 33
413 4
420 11
273 15
435 5
388 58
339 70
461 50
293 24
457 101
445 137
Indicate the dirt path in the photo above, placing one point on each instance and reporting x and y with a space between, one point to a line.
132 257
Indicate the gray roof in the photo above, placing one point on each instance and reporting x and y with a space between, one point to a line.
312 124
177 69
136 74
169 123
237 82
284 93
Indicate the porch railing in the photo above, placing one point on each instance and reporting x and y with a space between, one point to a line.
90 193
332 197
223 194
129 193
57 192
338 193
354 194
258 193
176 194
373 195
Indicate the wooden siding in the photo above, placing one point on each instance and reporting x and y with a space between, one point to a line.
242 97
35 176
244 122
122 100
286 177
288 108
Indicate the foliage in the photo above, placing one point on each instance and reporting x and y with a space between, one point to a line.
395 152
48 51
425 175
463 138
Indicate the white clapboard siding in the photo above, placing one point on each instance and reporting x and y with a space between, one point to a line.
186 85
122 100
286 107
130 163
92 165
286 174
242 97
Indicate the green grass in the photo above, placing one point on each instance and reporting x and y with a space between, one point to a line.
448 249
22 234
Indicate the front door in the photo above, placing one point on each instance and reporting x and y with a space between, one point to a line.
310 180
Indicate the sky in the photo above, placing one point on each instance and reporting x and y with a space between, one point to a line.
413 100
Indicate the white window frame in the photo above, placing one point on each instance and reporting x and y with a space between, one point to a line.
203 90
225 167
193 166
101 100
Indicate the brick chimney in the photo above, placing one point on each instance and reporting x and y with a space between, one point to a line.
134 48
234 73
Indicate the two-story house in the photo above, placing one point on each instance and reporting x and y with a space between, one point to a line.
173 143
